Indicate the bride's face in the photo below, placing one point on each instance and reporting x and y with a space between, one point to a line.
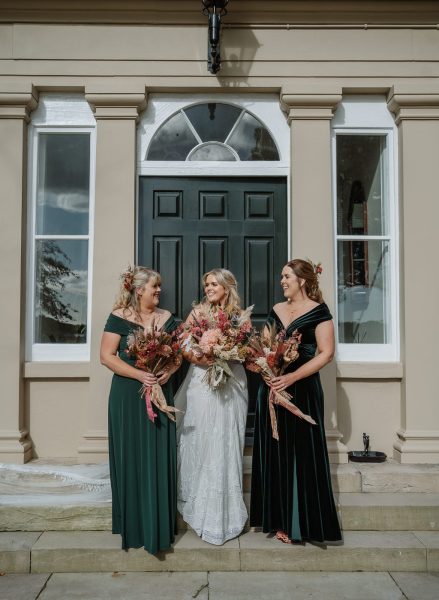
215 292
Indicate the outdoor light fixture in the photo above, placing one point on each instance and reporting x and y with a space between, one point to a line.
214 9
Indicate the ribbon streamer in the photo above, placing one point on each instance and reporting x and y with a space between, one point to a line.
154 396
283 399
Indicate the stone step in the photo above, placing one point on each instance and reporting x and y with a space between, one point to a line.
98 551
358 512
374 478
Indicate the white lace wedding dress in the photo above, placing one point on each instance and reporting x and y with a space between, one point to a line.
211 437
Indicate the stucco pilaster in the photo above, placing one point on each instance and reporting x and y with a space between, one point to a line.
114 240
417 117
309 116
15 447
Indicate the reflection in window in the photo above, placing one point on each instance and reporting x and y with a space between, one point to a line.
173 140
63 183
243 136
61 291
363 293
61 244
363 263
212 151
252 141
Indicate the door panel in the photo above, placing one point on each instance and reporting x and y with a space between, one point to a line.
188 226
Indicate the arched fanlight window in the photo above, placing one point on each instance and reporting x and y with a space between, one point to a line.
213 131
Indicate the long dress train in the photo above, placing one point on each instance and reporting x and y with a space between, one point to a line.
291 478
211 437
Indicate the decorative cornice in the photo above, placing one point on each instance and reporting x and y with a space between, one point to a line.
418 107
309 106
116 105
18 105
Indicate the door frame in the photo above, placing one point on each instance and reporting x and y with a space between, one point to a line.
266 107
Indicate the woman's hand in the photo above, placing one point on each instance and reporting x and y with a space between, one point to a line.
147 378
202 361
163 376
282 382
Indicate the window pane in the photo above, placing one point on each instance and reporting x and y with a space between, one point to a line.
212 152
213 121
361 191
173 140
63 183
363 292
61 291
252 141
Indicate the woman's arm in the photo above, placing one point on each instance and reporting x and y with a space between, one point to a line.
108 354
326 349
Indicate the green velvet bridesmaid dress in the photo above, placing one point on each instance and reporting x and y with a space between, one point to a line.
142 458
291 479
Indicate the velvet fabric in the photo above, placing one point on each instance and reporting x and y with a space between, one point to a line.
291 478
143 457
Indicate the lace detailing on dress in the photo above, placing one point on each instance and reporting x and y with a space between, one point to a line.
211 440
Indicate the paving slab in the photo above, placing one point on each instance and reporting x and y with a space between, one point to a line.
430 539
361 551
15 548
14 586
126 586
98 551
389 512
301 586
418 586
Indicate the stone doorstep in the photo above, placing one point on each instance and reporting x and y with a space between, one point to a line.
358 512
388 477
100 552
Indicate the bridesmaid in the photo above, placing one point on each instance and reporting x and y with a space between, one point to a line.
291 480
142 453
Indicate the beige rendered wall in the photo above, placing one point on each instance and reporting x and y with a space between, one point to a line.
311 66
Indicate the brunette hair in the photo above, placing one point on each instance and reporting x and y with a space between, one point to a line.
309 272
228 281
133 279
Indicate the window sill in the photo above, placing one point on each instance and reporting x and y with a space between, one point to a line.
57 370
369 370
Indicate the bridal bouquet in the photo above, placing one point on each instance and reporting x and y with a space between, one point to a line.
270 357
154 350
222 337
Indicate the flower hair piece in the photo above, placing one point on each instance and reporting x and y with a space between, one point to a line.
127 278
317 267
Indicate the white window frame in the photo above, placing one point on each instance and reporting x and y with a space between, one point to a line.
370 116
56 352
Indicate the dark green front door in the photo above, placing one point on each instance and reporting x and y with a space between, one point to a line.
188 226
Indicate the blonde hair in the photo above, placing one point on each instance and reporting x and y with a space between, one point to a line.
133 279
308 271
228 281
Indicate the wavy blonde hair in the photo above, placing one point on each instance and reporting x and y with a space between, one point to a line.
133 279
306 270
228 281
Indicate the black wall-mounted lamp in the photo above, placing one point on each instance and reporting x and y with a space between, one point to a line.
214 9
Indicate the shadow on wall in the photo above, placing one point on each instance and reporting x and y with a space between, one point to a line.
345 417
238 50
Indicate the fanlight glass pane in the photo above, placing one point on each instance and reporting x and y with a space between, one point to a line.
173 140
61 291
63 184
212 152
361 186
363 292
252 141
214 120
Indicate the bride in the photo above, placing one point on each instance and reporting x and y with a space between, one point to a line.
211 433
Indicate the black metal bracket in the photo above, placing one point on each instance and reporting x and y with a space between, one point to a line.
214 9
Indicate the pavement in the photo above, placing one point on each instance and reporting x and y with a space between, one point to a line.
221 586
